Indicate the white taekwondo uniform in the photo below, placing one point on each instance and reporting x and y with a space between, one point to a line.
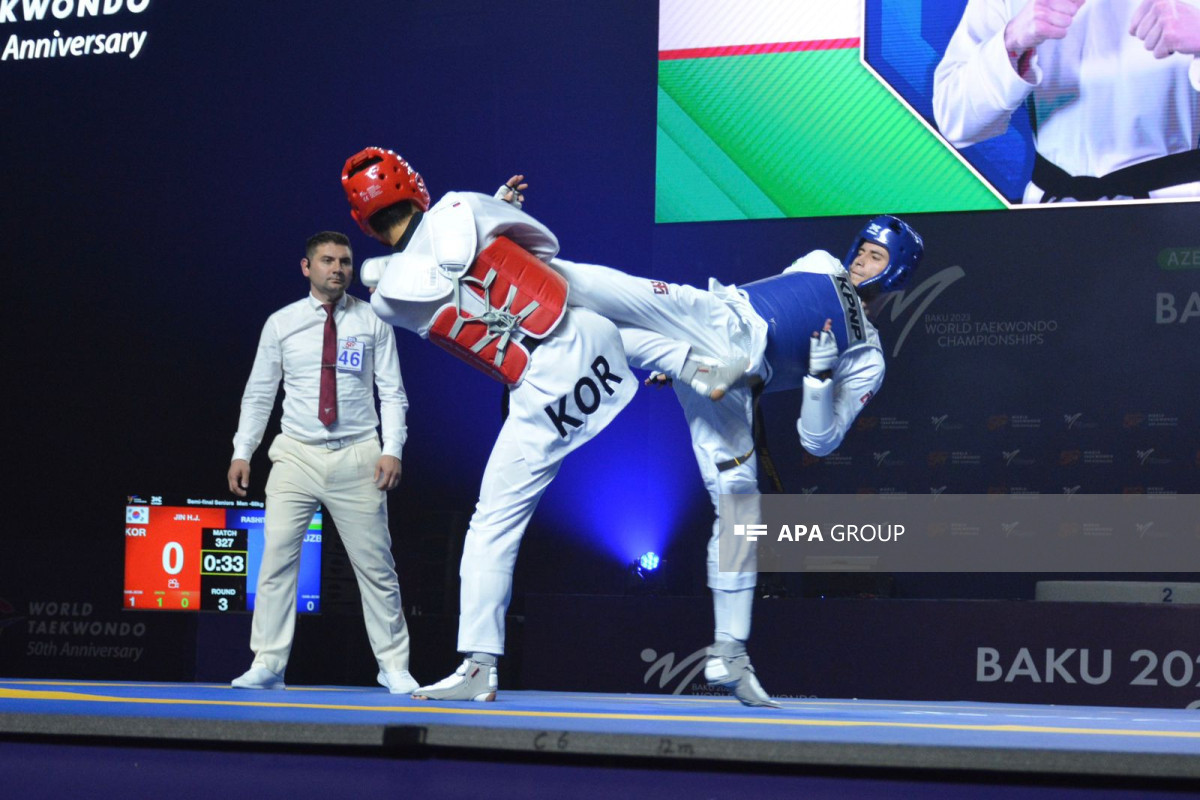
1101 101
577 381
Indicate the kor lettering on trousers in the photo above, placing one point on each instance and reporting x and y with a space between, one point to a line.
585 399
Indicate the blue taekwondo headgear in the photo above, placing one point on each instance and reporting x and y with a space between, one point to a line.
905 248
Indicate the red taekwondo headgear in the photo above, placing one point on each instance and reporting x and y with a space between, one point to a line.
374 179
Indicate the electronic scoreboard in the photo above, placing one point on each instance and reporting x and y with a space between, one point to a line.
200 554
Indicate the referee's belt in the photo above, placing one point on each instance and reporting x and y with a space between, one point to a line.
345 441
1135 181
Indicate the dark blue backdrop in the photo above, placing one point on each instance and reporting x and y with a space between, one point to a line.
154 211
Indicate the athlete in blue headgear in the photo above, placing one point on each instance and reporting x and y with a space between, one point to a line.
804 329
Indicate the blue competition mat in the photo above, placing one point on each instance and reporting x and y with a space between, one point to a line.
680 718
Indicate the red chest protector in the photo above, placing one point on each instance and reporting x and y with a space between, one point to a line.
524 297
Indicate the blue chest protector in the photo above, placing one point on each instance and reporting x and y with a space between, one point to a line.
794 305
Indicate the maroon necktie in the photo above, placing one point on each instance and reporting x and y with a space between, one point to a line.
327 402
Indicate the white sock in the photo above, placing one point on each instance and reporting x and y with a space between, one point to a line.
732 613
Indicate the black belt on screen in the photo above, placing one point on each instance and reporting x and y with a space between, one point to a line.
1135 181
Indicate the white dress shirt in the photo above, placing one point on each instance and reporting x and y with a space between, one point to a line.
290 348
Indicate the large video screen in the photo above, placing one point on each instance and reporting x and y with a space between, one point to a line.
201 554
779 108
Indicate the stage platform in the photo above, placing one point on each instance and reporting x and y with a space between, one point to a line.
45 722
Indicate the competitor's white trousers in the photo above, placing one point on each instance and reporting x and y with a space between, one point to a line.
511 490
721 432
659 322
676 311
302 478
507 498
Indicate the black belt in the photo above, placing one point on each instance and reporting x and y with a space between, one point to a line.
759 434
1135 181
737 461
530 344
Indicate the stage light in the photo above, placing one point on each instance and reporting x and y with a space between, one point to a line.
644 575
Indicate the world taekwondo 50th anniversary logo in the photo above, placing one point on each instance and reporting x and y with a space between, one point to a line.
54 29
958 533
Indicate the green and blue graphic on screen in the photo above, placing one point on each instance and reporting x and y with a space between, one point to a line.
798 128
774 108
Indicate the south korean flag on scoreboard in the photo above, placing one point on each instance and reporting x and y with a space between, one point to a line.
137 514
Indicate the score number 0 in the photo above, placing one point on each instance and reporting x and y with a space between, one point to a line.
172 558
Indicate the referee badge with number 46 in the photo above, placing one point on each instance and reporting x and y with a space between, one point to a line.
350 355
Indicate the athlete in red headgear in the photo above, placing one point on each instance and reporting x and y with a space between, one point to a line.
375 179
470 273
474 275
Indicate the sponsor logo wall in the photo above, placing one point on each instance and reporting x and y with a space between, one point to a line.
1026 374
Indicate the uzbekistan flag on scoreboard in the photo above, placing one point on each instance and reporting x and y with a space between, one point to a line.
765 110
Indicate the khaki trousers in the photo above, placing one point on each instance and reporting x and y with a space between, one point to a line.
303 477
